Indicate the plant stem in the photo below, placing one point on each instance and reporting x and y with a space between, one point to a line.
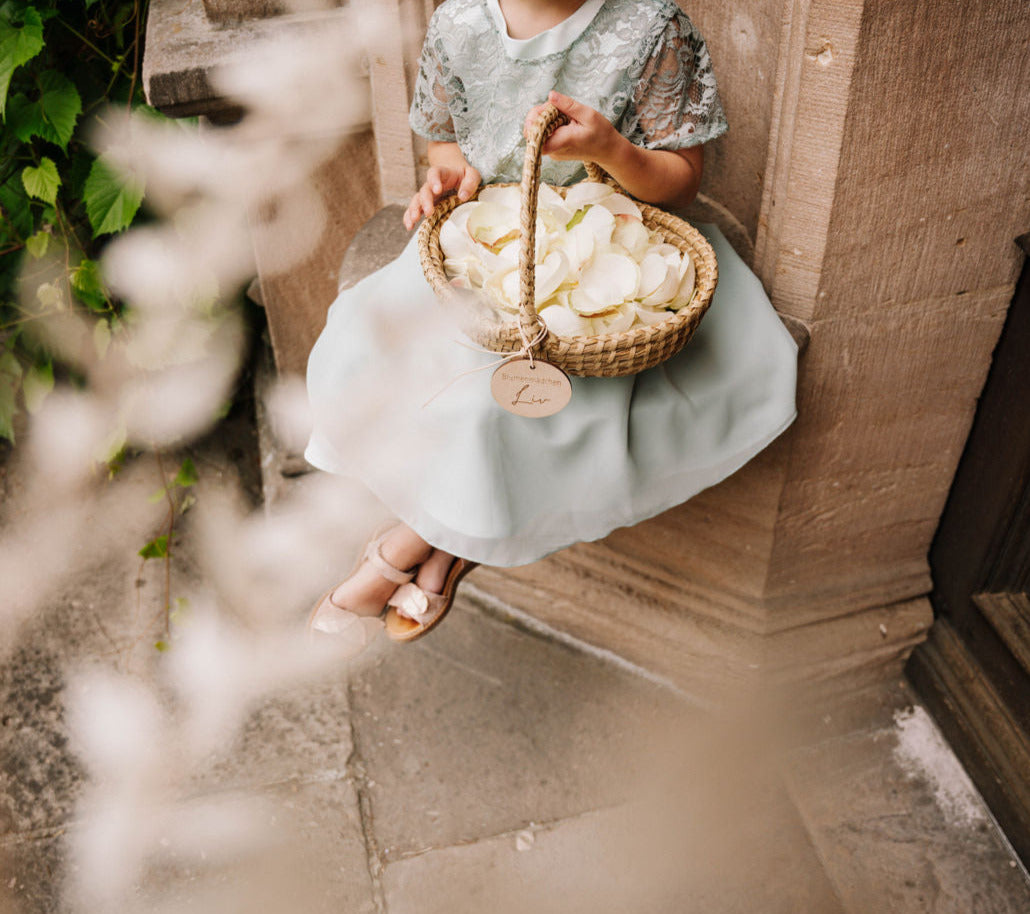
135 54
167 610
87 42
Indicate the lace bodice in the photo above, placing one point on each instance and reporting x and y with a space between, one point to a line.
641 63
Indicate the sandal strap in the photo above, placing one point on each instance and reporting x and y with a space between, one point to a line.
374 554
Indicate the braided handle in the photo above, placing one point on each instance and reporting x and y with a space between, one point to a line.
549 120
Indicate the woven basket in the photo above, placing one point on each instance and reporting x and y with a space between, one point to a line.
610 355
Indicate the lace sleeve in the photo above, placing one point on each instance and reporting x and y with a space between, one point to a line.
676 102
435 87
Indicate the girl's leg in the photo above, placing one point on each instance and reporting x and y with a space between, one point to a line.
366 591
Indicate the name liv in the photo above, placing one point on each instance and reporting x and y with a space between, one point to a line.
518 401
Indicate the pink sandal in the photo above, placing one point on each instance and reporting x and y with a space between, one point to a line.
332 619
412 611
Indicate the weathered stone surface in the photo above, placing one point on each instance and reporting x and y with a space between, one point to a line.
31 872
298 736
621 860
743 37
345 190
185 49
893 839
307 854
480 728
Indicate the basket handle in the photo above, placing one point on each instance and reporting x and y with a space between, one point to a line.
548 120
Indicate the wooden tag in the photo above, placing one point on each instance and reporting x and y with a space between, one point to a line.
531 390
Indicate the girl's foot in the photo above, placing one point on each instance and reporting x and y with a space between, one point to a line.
418 607
373 582
433 571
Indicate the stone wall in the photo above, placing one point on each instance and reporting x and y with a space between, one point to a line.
878 162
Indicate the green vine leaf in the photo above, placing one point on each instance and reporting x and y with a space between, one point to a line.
37 385
111 200
10 381
187 475
19 43
89 289
55 113
37 244
15 204
157 548
42 182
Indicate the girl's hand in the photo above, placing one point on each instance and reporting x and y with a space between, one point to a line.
666 177
441 179
588 137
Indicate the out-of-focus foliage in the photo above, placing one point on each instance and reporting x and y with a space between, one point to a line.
61 63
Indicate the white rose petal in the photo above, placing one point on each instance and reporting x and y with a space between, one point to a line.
621 205
582 302
653 271
612 279
508 197
615 321
650 315
666 288
600 223
563 322
550 274
509 289
632 235
605 274
579 195
490 222
685 292
579 247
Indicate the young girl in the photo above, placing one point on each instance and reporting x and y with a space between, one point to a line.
470 482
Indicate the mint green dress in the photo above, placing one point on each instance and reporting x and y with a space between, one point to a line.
402 401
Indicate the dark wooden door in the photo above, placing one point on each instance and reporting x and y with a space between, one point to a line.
974 671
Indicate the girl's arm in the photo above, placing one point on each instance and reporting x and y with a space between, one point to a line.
666 177
448 170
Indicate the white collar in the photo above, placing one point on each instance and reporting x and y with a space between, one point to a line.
551 41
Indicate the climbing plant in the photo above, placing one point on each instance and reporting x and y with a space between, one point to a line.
62 62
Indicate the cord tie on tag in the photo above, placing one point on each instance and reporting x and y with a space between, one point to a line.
526 352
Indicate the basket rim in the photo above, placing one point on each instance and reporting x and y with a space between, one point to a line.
644 333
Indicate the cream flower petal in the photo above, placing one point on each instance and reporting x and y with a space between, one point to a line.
611 279
666 288
600 223
549 275
490 222
563 322
685 292
615 321
579 195
632 235
621 205
651 315
508 197
652 273
583 303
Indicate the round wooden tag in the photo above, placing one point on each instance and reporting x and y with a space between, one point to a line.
532 390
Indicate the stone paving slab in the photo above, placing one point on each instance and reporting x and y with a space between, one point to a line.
615 861
30 875
895 838
297 736
480 728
